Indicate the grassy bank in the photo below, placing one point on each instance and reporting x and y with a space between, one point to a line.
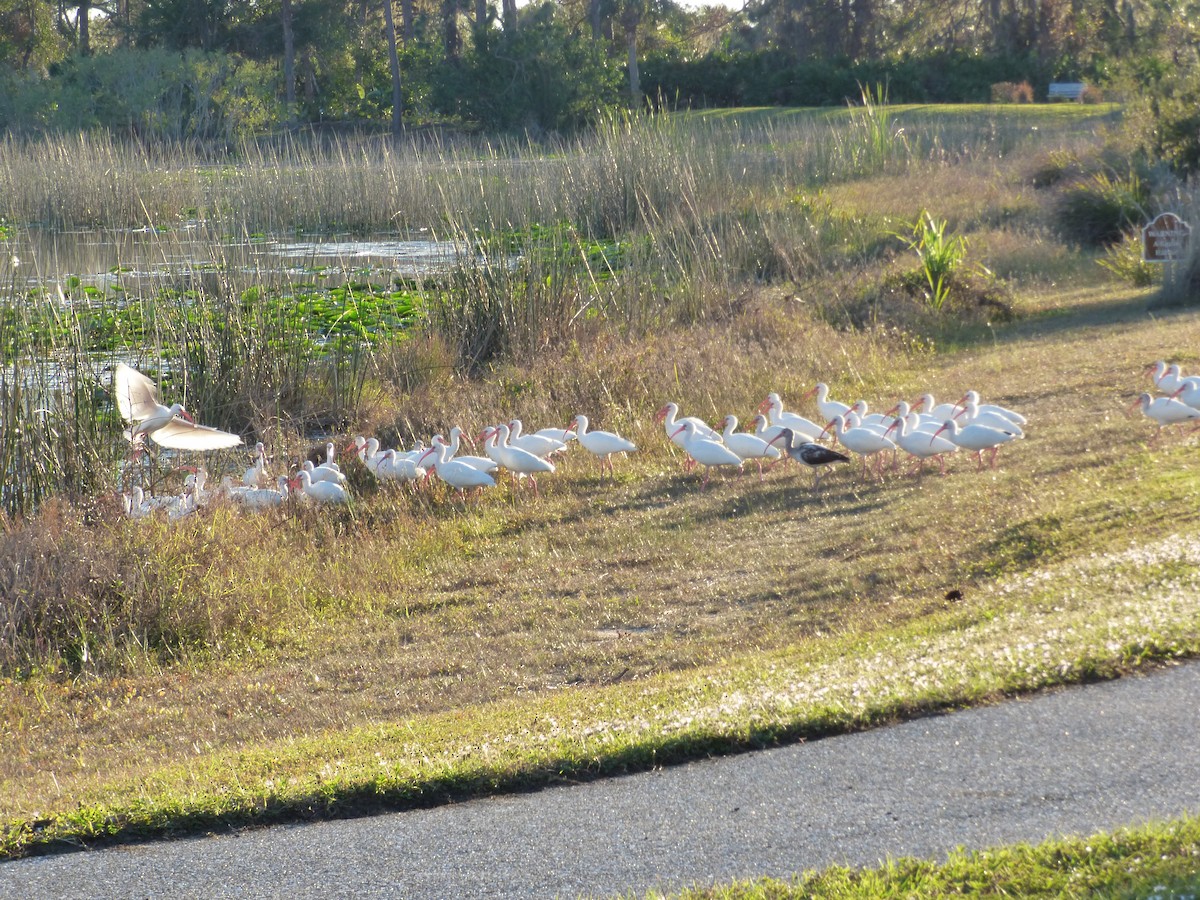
161 677
1158 861
421 650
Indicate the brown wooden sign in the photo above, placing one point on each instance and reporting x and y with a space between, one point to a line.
1165 239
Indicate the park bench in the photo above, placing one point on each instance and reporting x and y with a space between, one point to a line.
1066 90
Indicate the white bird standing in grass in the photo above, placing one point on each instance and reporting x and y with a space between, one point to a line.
921 445
482 463
706 452
601 443
519 462
1011 414
974 414
1167 378
772 407
748 446
323 472
926 406
318 491
1165 411
540 445
917 421
254 475
367 450
391 466
829 409
977 438
168 426
454 472
1189 392
256 498
864 441
766 431
669 416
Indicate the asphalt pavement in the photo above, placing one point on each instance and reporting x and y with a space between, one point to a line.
1065 762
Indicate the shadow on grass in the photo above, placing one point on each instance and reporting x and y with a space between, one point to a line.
1052 324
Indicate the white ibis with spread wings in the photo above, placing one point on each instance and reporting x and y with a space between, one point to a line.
168 426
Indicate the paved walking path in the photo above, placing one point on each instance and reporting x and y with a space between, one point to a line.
1066 762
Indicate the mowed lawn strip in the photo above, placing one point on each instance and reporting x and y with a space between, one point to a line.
1160 860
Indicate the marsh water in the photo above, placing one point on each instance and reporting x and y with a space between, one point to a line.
141 260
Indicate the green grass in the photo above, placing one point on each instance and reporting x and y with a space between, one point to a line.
1160 860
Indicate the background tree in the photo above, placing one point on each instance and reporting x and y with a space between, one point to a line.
28 40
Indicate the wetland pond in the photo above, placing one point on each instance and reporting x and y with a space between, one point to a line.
141 261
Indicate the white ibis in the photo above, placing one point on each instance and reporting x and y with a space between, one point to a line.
706 452
864 441
921 445
876 422
829 409
566 435
415 454
540 445
815 456
926 406
1167 378
257 499
195 484
183 504
601 443
1166 411
765 430
1012 415
977 438
253 476
868 419
323 472
454 472
518 461
482 463
168 426
136 504
973 414
780 418
1189 392
748 446
669 416
391 466
328 492
919 421
367 450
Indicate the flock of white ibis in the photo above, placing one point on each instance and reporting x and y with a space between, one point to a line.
1178 402
914 429
922 431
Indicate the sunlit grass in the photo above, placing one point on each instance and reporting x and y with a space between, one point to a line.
1159 860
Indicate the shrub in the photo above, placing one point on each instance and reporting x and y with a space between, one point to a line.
1124 259
1053 168
1097 211
1012 92
940 254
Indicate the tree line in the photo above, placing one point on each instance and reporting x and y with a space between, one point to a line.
205 68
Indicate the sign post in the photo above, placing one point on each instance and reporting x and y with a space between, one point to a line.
1165 239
